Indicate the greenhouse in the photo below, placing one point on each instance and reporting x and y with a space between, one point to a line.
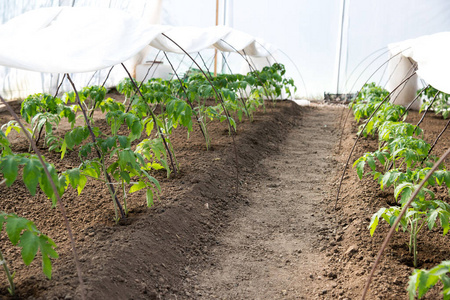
168 149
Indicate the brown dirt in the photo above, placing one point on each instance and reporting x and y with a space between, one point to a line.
278 239
351 259
271 248
159 251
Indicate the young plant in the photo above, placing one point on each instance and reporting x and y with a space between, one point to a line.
20 231
23 233
422 280
440 105
114 155
90 98
421 213
44 113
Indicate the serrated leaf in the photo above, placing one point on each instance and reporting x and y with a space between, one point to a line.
371 163
8 167
412 284
138 186
46 247
14 227
73 176
29 242
31 174
123 141
431 220
81 184
63 148
125 176
360 168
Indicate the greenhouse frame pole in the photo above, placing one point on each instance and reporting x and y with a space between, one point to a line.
341 34
215 50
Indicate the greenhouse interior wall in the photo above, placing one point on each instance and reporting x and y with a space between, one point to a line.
308 33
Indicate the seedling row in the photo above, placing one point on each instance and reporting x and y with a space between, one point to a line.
136 144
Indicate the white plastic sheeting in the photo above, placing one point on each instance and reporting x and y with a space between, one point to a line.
73 39
191 39
18 83
195 39
83 39
308 31
431 55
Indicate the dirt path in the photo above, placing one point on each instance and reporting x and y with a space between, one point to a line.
272 249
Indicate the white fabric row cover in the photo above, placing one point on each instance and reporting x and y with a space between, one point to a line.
83 39
432 55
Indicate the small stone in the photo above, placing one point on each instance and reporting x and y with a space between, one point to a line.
273 185
351 250
284 292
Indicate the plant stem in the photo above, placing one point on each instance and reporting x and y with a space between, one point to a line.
187 98
397 221
359 135
12 287
100 156
425 113
154 120
56 193
415 231
224 109
124 197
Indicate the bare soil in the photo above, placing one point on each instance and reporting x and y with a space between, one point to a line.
350 259
278 238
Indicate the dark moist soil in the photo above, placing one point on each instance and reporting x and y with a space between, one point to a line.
150 256
351 258
279 238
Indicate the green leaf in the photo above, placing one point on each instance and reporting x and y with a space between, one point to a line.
380 156
31 174
138 186
360 168
14 227
63 148
412 284
125 176
444 222
81 184
126 156
375 219
423 287
46 246
149 127
45 184
8 167
371 163
405 189
149 197
431 220
29 242
152 180
123 141
73 176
